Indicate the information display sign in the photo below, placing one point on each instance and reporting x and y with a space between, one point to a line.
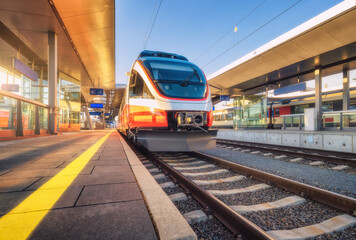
96 91
95 113
96 105
224 98
10 87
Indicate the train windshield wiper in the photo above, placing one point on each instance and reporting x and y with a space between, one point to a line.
186 81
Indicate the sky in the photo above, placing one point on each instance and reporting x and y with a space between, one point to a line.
191 27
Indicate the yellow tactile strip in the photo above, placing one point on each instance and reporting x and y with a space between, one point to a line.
22 220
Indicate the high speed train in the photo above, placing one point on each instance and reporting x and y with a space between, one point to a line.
167 104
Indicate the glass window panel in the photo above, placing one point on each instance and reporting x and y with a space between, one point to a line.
28 116
7 113
43 117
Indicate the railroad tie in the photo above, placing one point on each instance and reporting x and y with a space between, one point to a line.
195 168
195 216
185 164
167 185
220 180
252 188
337 223
178 197
205 173
288 201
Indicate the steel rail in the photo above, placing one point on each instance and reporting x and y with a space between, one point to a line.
332 199
231 219
294 151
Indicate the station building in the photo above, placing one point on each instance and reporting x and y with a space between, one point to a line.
51 53
302 81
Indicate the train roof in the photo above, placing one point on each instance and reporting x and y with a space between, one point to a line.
148 53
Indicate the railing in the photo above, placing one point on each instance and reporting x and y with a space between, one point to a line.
339 120
293 121
21 115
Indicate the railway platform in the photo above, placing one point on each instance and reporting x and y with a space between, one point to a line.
343 141
84 185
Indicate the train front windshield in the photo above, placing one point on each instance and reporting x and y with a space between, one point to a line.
177 79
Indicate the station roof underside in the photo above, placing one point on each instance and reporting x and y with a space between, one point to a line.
327 41
85 32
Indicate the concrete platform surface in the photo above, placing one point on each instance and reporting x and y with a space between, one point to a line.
70 186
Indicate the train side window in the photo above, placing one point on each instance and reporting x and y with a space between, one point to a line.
276 112
138 87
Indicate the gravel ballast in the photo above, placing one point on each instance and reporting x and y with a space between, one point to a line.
339 182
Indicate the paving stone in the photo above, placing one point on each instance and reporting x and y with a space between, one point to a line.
246 150
178 197
316 163
105 221
167 185
195 216
280 157
98 194
18 184
236 149
296 159
340 167
267 154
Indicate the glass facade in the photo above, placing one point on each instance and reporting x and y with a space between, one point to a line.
69 103
28 78
250 111
43 112
8 115
28 116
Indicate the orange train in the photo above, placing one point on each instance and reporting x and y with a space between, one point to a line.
167 104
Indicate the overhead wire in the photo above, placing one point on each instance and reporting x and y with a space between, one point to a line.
229 30
249 35
154 21
149 24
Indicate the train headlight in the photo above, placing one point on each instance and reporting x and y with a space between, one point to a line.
198 119
190 119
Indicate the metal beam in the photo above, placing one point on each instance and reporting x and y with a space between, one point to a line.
318 97
52 81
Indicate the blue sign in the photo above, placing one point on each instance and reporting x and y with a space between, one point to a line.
95 113
107 114
224 98
96 91
24 69
289 89
10 87
96 105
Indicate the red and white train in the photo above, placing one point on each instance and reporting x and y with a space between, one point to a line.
167 104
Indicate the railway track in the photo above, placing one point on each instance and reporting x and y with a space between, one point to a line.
256 204
348 159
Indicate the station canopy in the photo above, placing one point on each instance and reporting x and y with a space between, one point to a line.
85 32
327 40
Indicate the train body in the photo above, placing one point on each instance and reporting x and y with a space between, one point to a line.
167 104
276 112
